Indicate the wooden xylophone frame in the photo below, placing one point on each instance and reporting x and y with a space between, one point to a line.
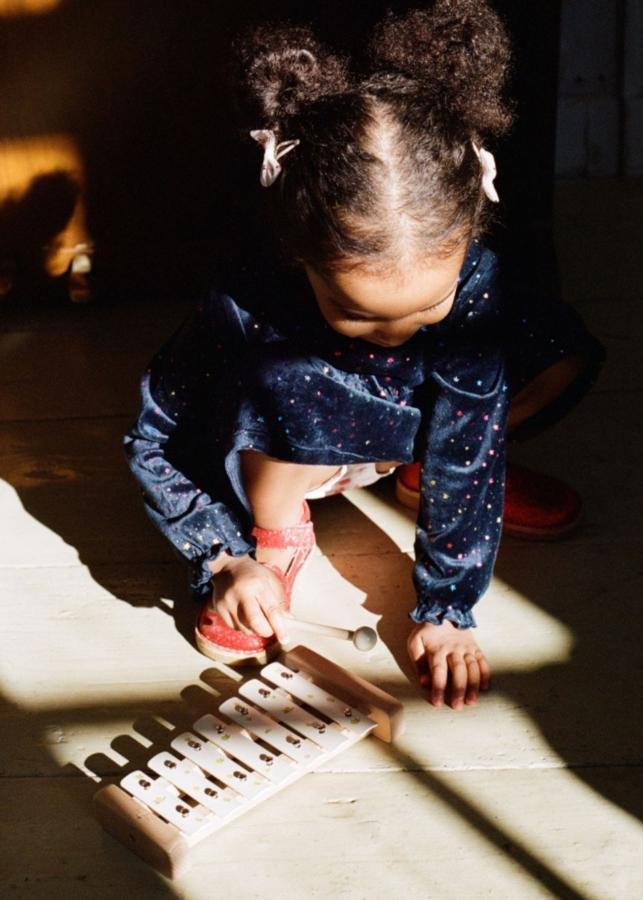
164 845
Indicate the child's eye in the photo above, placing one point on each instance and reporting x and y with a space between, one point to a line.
345 314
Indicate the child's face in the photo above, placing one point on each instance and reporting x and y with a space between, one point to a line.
388 310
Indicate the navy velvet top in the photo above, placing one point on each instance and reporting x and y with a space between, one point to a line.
256 366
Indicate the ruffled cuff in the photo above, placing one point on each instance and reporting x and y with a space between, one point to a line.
436 613
200 574
201 535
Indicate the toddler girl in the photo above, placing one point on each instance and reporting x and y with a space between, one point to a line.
374 336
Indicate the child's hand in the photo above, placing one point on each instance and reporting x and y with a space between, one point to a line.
447 657
250 597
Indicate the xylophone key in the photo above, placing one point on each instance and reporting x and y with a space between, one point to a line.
163 799
281 726
282 707
235 741
297 747
190 780
347 717
215 762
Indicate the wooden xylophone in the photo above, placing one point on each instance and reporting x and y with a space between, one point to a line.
300 712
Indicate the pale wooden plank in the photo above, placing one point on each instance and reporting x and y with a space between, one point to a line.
73 480
93 660
408 834
90 655
111 348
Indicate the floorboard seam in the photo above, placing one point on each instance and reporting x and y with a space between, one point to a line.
379 771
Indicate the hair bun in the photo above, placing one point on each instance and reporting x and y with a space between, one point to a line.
284 67
457 51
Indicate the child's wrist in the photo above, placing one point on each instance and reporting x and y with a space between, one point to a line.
225 562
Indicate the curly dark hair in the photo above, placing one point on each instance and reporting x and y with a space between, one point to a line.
385 171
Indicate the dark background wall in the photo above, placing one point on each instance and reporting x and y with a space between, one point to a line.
600 109
137 86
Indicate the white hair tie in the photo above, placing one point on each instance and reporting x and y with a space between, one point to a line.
489 172
272 153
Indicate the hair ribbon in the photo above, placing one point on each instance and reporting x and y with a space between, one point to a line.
272 153
489 172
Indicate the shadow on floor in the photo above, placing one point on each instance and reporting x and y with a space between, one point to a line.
591 583
584 707
59 810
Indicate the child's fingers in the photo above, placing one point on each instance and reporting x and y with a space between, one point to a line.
439 674
473 679
277 621
272 602
459 676
225 615
418 657
253 616
485 671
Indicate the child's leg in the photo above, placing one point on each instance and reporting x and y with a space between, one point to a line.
276 489
544 389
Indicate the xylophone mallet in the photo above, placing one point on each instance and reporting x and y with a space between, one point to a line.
363 638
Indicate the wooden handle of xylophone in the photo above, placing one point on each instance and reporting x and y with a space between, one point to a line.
142 831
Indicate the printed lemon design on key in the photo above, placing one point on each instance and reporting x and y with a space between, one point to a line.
349 714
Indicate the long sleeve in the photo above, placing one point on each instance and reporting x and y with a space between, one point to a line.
463 468
169 430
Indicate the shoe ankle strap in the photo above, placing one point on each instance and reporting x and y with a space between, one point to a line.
284 538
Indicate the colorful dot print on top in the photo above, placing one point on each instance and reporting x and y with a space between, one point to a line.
257 367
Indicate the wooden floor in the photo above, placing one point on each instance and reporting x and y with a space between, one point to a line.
536 792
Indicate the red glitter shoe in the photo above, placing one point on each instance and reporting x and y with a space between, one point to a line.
537 507
217 640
